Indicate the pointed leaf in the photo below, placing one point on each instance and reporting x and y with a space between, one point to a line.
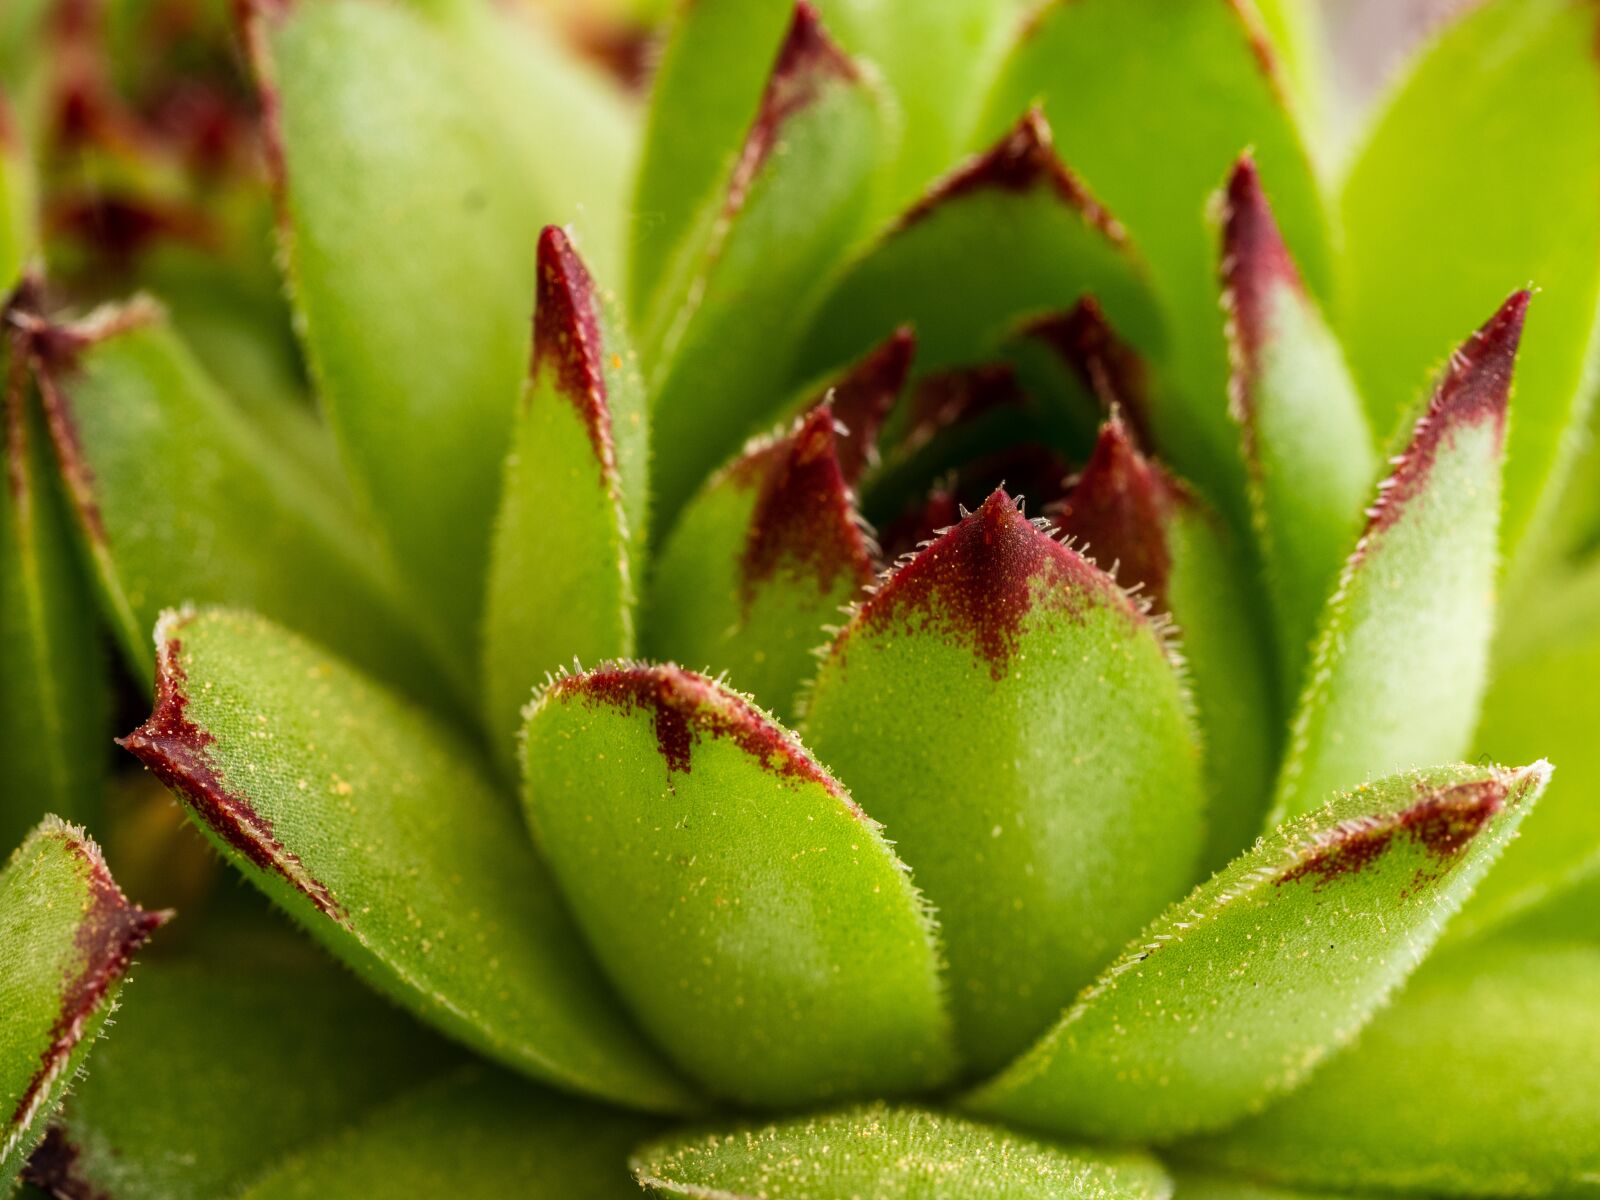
1398 667
412 289
326 791
568 547
753 917
719 341
761 560
1308 450
1008 233
1013 719
1130 83
1493 144
477 1134
1424 1101
1233 995
891 1154
67 937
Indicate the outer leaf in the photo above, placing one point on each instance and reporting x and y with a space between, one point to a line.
1422 1101
761 560
224 1061
1474 123
1131 83
1009 233
568 545
1232 996
751 914
1307 446
882 1153
67 936
1014 720
1400 660
477 1135
327 792
223 518
412 289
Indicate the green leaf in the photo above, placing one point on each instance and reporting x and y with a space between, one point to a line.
224 515
1308 449
18 234
224 1060
1011 232
1015 722
1233 995
1203 1185
752 915
718 342
412 289
327 792
67 936
477 1134
883 1153
763 558
1484 167
1152 101
568 548
54 706
1483 1079
1399 664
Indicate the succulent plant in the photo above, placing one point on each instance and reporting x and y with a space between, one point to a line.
969 654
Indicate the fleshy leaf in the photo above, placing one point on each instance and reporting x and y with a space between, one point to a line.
1128 83
18 233
1233 995
1483 1079
329 794
1015 722
891 1154
1469 172
1154 535
718 342
1398 667
761 560
67 937
567 555
412 289
1308 451
1009 233
477 1134
751 914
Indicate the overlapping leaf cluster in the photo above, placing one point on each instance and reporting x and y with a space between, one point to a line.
947 664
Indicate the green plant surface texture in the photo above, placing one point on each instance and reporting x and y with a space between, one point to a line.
1309 453
1502 116
67 938
878 1152
1016 723
1399 665
1233 995
1205 1185
1126 84
18 220
1009 233
1466 1024
477 1134
716 347
412 290
54 706
567 558
377 830
753 916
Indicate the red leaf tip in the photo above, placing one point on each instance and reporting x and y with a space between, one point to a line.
568 339
1107 367
863 397
1255 261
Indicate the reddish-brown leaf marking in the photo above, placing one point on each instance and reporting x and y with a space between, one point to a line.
863 397
568 342
1256 265
1107 367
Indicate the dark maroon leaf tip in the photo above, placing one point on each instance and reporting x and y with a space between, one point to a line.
803 524
1107 367
176 751
53 1168
568 341
688 708
1475 389
863 397
1255 263
978 582
1117 513
948 399
1022 161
